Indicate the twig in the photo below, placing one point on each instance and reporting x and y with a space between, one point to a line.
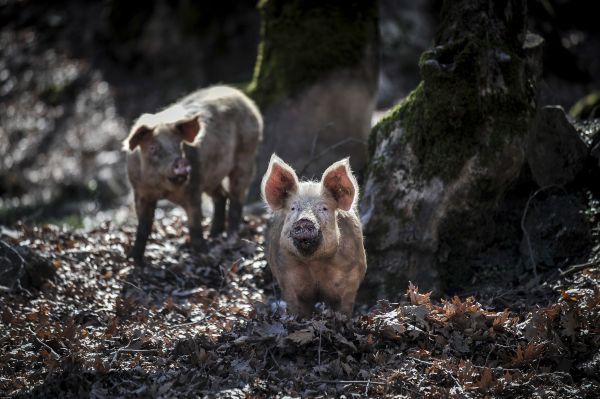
273 357
359 382
532 196
320 333
206 316
575 268
67 257
492 368
39 342
313 158
314 143
447 372
333 147
489 354
149 352
135 286
181 281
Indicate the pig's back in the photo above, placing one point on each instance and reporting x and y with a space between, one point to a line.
231 130
225 101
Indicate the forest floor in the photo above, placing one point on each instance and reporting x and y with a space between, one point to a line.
183 325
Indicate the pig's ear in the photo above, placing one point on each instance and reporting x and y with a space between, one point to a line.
137 135
278 183
189 128
340 183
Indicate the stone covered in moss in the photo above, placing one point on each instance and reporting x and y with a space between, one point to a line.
442 159
304 40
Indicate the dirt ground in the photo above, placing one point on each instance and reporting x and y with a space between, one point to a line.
183 325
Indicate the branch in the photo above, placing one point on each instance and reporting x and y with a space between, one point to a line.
358 382
314 158
314 143
575 268
149 352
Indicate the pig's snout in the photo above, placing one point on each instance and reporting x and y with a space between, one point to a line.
306 236
304 230
181 167
181 170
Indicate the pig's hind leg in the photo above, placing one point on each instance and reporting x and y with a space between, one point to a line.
219 197
239 180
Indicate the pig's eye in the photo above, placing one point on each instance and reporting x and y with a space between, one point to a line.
153 148
324 208
293 208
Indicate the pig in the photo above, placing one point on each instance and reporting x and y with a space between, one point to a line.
316 250
190 148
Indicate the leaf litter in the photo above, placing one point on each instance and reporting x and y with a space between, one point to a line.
184 325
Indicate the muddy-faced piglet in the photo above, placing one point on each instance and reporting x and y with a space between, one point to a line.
316 247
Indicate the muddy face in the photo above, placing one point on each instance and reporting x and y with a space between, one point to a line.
163 162
306 236
310 229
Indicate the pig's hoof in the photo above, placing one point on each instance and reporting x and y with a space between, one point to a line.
135 255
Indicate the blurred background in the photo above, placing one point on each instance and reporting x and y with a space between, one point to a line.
75 75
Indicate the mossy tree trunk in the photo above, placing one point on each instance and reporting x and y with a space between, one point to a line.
440 162
317 64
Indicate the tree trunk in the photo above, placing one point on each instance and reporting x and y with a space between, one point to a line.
441 161
317 65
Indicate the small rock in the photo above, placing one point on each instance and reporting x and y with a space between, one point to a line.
20 265
556 151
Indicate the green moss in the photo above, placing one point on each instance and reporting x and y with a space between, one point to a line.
377 169
409 108
304 40
586 108
445 116
57 93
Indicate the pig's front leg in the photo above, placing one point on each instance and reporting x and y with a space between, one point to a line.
348 296
145 210
299 306
194 213
299 299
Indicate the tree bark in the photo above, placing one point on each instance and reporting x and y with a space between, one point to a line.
317 65
441 161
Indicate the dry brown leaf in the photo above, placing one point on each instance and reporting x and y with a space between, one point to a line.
302 337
